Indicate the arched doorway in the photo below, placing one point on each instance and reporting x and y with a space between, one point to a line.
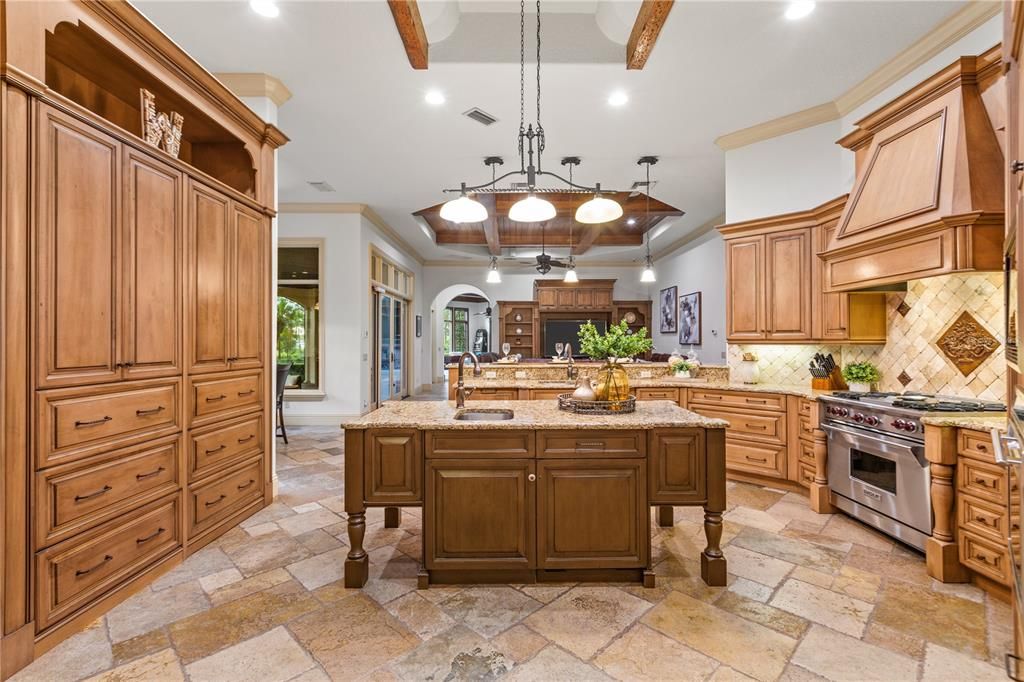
460 317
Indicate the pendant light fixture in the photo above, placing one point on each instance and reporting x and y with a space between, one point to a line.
647 276
493 274
531 142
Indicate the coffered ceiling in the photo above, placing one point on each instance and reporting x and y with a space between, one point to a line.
358 120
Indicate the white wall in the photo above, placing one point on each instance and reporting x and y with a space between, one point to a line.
345 312
699 266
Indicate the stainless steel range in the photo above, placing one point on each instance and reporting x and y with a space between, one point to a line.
876 465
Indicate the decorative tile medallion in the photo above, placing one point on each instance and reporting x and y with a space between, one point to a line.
904 378
967 343
903 308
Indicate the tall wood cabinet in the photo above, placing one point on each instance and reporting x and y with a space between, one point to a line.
135 400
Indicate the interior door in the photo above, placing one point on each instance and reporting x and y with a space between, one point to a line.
384 327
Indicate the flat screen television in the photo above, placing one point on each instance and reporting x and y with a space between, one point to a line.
567 331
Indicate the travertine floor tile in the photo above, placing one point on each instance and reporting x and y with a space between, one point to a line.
81 655
555 664
162 666
754 518
489 610
271 657
941 664
956 623
455 654
840 658
137 647
769 616
420 615
837 611
320 569
585 619
204 562
265 552
519 643
789 549
150 610
643 654
303 523
755 566
251 585
215 581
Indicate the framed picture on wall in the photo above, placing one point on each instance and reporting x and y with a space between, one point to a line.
668 310
419 326
689 319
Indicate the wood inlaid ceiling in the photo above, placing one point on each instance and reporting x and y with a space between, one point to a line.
498 232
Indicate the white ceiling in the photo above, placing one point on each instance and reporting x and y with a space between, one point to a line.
357 119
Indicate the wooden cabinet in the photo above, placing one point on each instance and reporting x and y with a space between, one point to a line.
393 466
676 467
481 514
592 513
756 441
249 265
744 289
787 286
556 295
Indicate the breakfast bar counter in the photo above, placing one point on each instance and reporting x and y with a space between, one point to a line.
519 491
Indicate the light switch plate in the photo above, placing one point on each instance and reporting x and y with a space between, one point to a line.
520 374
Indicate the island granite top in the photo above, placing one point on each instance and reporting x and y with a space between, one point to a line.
529 414
968 420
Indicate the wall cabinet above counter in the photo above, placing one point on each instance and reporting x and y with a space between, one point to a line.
774 283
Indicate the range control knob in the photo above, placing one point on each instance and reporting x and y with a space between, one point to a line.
845 412
871 421
911 426
858 417
899 424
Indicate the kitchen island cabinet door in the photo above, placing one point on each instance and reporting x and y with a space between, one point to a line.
677 466
480 514
393 468
592 513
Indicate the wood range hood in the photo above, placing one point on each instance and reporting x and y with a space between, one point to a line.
928 196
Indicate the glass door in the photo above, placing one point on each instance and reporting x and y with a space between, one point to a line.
389 347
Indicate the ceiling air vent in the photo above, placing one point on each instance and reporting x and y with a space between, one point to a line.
480 116
320 186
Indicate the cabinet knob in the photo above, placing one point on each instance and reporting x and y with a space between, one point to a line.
1017 166
531 478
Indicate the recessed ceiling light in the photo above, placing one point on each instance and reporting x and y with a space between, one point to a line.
434 97
631 221
265 8
798 9
618 98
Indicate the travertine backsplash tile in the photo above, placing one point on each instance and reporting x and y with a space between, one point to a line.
916 320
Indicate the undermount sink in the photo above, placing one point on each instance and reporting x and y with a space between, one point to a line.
484 415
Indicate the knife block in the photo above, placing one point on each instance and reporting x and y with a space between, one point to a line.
833 382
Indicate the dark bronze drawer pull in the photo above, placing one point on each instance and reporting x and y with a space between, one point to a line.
105 489
145 413
210 504
151 474
216 449
90 570
215 398
246 439
149 537
984 483
763 460
759 427
756 401
590 444
94 422
246 485
712 397
983 558
985 521
242 394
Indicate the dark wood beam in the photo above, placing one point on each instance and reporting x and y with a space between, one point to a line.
491 225
649 20
587 237
410 28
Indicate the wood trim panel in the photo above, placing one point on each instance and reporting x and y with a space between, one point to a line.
410 29
676 470
646 28
478 444
393 466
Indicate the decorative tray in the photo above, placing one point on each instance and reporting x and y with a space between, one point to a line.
569 404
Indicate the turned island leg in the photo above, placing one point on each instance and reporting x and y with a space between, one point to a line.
357 563
712 561
820 493
941 552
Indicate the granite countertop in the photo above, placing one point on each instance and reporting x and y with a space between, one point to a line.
801 390
978 421
529 414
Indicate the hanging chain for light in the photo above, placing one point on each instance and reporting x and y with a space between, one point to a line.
540 128
648 218
522 75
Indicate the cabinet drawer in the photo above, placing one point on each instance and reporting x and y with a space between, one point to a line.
806 452
480 444
976 444
756 458
748 399
988 558
985 519
805 406
77 571
658 394
987 481
552 444
806 430
494 394
805 474
224 445
216 499
220 397
76 496
548 393
75 423
767 426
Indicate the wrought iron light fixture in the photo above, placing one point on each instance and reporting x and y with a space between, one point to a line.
531 142
648 274
493 274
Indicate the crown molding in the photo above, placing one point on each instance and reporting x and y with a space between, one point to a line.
952 29
256 85
482 264
689 237
363 210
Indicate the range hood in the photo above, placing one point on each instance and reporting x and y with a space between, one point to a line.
928 197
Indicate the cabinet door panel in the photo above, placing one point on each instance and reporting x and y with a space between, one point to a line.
393 468
584 298
788 279
209 242
677 467
480 514
152 268
248 268
568 298
592 513
77 253
744 291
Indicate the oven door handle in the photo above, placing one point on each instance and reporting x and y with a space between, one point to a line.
916 450
1003 443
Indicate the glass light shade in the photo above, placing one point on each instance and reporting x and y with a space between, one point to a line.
464 210
493 276
531 209
648 274
598 210
570 275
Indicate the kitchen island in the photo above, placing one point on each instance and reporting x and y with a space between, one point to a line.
521 492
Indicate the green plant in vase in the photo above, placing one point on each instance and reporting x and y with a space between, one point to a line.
681 368
860 376
618 343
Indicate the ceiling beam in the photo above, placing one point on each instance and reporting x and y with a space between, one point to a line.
649 20
410 29
587 238
491 225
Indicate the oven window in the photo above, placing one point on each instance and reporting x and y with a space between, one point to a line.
873 470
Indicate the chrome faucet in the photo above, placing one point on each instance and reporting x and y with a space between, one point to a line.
461 392
570 370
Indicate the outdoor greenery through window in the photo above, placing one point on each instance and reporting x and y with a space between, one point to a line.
456 330
298 315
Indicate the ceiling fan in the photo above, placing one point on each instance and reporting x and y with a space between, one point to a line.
544 261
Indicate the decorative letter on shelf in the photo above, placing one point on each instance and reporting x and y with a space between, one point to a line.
159 129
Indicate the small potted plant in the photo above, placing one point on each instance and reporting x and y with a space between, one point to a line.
860 376
681 369
614 347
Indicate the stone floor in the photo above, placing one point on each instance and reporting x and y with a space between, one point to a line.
810 597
